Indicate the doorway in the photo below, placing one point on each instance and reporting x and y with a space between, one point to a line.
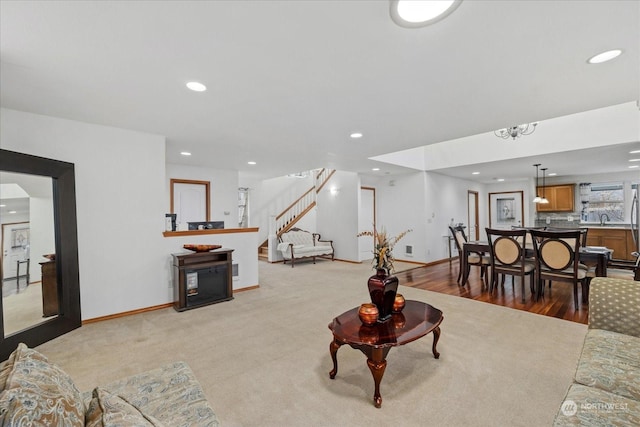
472 215
366 221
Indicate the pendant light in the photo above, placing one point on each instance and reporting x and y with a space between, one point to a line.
537 198
544 199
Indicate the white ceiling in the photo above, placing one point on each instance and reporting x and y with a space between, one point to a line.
288 81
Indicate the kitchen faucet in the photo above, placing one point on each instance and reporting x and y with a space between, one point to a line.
602 221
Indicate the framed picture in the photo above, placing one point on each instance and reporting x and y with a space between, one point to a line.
505 209
19 237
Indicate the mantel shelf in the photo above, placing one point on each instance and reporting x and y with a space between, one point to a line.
214 231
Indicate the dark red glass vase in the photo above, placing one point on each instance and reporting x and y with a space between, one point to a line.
382 289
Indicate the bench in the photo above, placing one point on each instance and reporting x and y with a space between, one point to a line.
296 244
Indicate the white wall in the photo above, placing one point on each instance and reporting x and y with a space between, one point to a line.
121 201
400 205
424 202
337 214
616 124
223 186
122 194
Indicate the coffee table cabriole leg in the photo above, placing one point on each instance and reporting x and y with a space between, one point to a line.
376 361
333 349
436 337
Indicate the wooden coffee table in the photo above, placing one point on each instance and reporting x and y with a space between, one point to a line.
415 321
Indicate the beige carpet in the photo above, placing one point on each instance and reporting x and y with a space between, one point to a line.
24 309
263 358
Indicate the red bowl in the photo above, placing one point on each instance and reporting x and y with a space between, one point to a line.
201 248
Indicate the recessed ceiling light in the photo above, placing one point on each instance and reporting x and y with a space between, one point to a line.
604 56
414 13
475 173
12 212
196 86
634 160
185 153
634 152
375 169
2 206
251 163
630 167
500 179
552 174
356 135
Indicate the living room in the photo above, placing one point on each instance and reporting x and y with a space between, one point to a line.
123 167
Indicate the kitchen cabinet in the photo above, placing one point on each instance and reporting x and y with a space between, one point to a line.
613 238
561 198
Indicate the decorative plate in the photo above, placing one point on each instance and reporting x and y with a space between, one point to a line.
201 248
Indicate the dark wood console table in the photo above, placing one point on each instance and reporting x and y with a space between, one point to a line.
415 321
202 278
49 289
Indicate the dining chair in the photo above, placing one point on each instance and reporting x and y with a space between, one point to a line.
508 257
625 269
557 256
478 259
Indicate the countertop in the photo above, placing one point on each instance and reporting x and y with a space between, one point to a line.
613 226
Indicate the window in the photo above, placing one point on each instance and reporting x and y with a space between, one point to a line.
606 199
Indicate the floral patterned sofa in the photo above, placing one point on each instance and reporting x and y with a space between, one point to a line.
36 392
296 243
606 387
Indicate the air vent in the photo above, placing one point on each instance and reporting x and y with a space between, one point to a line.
408 250
234 271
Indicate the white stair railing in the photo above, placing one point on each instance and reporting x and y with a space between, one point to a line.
322 177
294 212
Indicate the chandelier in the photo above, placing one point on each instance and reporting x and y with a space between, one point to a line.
539 199
516 131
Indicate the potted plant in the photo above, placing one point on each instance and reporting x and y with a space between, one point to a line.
382 286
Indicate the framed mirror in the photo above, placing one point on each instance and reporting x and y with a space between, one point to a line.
190 201
52 231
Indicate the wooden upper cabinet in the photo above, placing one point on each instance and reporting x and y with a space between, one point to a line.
561 198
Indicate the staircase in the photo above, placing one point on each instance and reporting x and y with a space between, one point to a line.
297 210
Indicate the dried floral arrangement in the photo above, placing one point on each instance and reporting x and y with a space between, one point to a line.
383 247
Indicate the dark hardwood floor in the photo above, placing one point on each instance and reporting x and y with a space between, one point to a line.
557 301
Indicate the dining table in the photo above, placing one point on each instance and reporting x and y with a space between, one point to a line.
597 255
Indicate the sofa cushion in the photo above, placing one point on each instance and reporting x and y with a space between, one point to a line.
171 394
613 305
109 410
38 393
610 362
590 406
